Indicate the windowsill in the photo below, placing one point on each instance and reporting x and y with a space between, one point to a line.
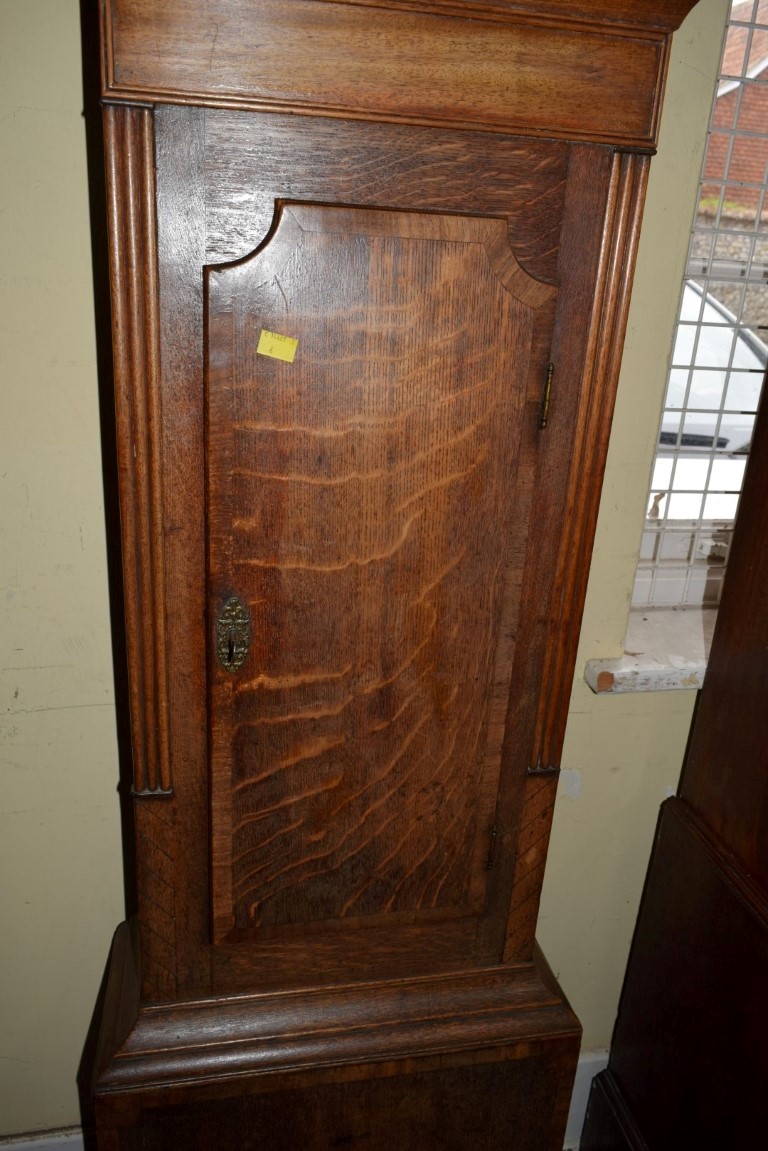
666 649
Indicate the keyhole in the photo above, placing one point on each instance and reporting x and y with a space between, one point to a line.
233 634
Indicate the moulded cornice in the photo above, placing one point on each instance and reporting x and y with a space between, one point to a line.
572 69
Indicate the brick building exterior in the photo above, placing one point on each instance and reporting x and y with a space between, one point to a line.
747 111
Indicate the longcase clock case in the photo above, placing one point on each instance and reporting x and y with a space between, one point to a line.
370 272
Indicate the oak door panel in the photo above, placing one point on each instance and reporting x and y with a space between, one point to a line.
220 175
361 506
252 161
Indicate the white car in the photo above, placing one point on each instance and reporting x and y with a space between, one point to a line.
723 357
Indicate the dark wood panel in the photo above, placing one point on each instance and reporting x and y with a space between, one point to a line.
688 1062
129 152
665 15
689 1057
352 950
180 206
727 762
356 754
609 1125
252 161
601 222
248 167
137 340
376 63
472 1108
268 1042
496 1048
537 809
591 430
420 535
235 176
587 222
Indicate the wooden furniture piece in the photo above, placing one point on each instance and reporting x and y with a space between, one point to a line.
689 1062
371 264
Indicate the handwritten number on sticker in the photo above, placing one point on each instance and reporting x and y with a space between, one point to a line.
277 346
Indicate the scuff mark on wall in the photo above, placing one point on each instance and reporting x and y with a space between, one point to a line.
570 782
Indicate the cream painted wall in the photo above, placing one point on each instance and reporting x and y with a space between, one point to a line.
623 753
61 891
59 827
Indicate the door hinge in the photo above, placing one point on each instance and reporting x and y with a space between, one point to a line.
544 407
493 836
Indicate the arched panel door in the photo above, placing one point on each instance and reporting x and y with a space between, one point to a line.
366 379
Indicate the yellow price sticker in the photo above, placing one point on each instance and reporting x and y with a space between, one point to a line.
277 346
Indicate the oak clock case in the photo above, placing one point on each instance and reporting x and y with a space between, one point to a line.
367 327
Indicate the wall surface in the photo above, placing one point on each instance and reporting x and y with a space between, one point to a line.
623 753
61 890
59 826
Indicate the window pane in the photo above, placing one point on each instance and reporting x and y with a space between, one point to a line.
752 101
706 389
731 251
669 587
708 206
726 111
700 432
657 507
676 546
684 507
743 391
755 313
648 545
719 146
758 49
727 475
702 247
678 383
720 351
712 547
684 344
716 309
720 507
704 586
642 589
734 55
662 473
738 206
746 167
691 475
715 347
670 429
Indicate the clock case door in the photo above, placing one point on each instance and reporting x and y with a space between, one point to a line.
402 516
364 520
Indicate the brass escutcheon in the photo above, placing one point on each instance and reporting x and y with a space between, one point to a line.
233 634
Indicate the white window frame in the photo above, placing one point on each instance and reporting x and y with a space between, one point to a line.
694 485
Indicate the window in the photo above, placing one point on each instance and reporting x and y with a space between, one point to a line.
720 350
